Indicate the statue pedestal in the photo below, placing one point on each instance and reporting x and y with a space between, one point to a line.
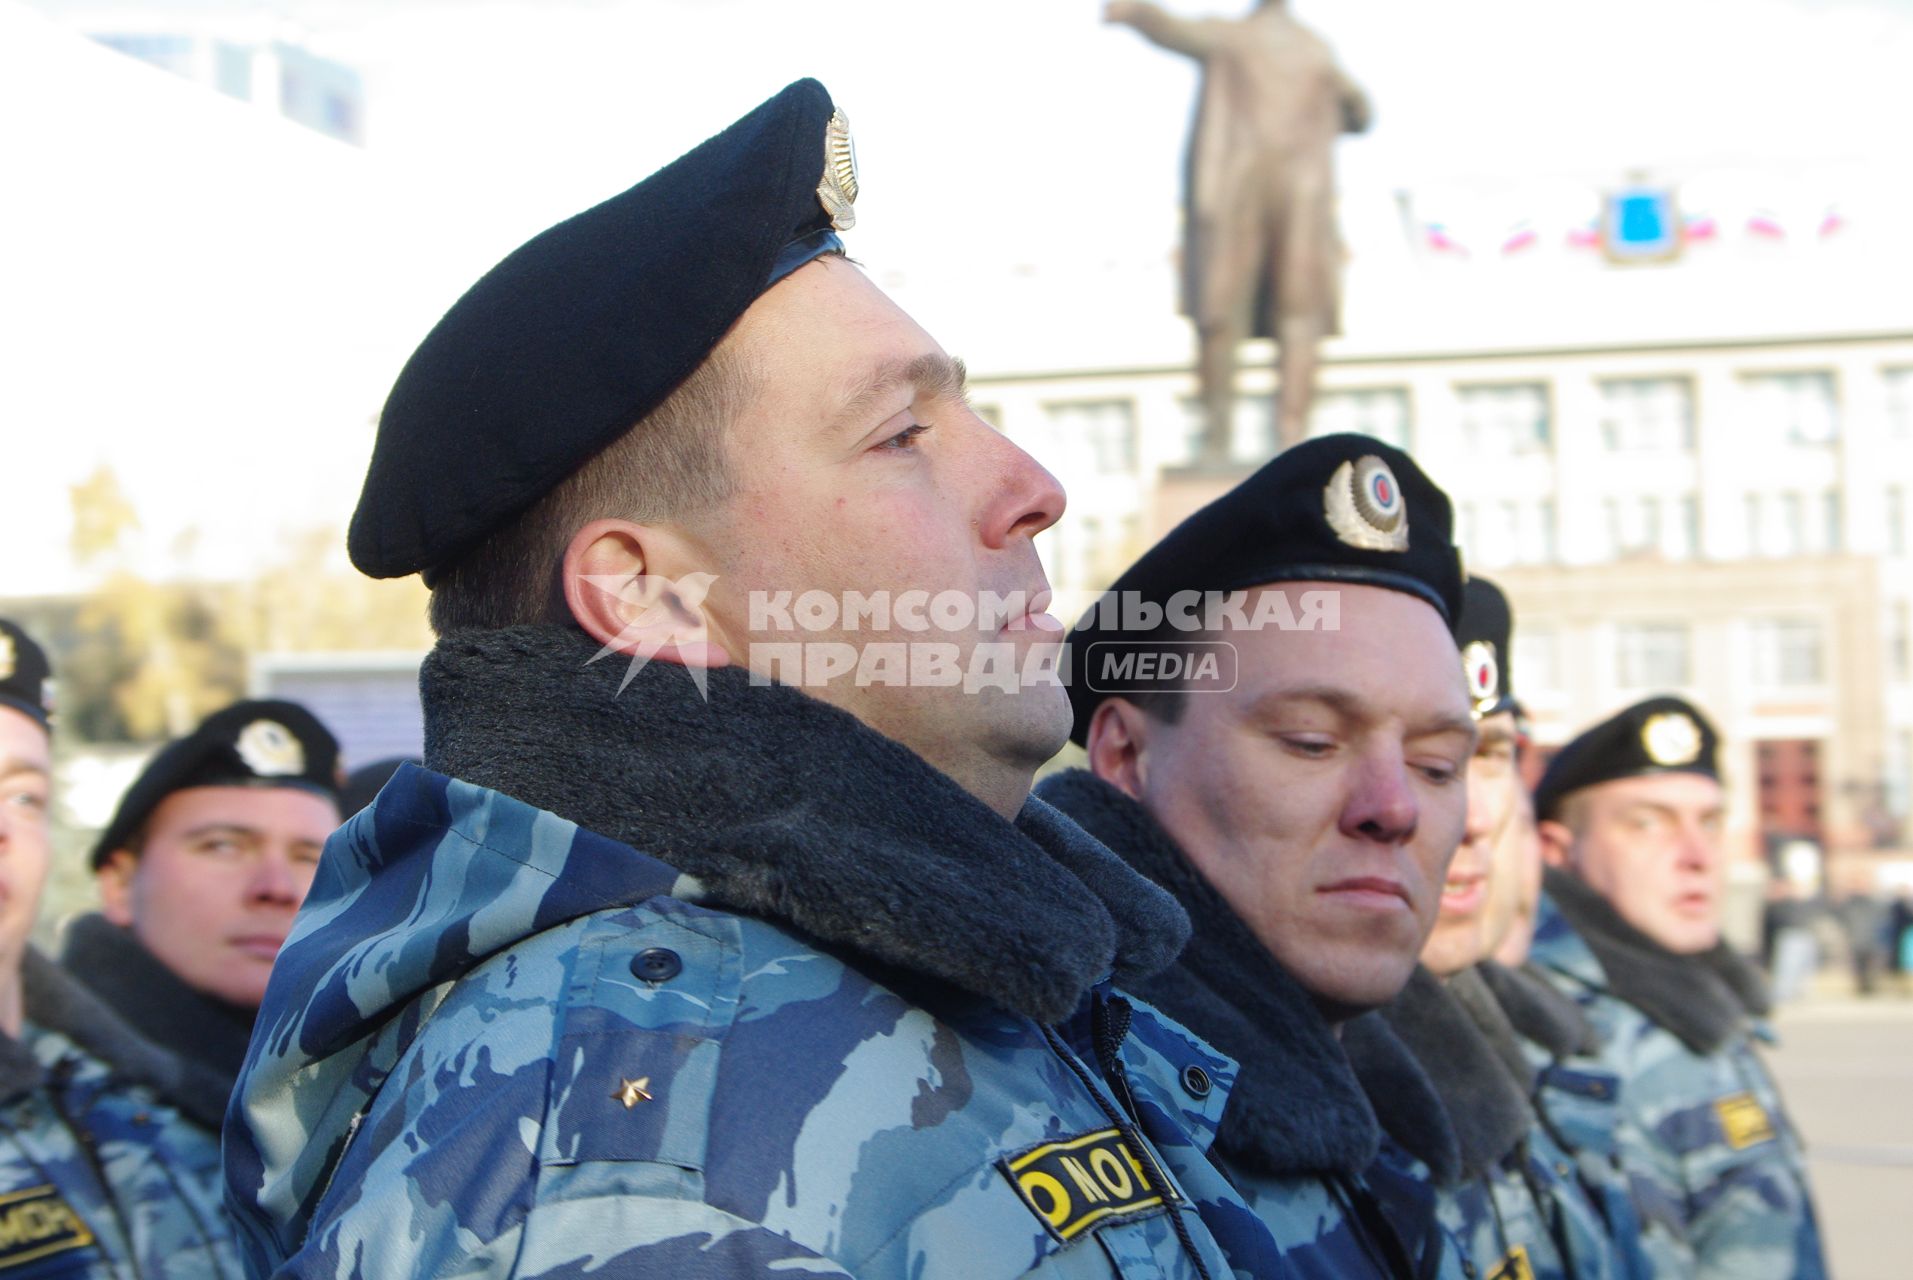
1181 491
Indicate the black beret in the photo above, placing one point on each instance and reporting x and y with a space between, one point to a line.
249 744
1339 508
589 326
363 784
1661 735
26 678
1485 635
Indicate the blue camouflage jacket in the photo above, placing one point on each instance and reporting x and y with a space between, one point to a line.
469 1070
1717 1170
853 1027
1576 1102
1517 1205
98 1177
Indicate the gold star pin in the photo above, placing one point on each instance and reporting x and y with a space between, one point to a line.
632 1092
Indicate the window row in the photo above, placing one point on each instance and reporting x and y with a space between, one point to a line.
1783 653
1634 416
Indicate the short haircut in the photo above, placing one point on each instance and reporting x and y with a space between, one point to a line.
673 462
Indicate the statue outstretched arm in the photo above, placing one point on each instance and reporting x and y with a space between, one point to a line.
1357 113
1194 36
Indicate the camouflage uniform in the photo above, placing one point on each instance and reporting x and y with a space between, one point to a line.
1717 1170
97 1177
1577 1102
500 1042
1517 1206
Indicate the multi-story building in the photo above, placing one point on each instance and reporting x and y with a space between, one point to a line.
1694 477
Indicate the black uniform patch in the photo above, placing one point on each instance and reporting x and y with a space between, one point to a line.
1075 1184
36 1223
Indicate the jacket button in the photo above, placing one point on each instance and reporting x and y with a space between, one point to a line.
1196 1082
657 964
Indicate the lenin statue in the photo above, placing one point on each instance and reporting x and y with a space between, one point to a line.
1261 255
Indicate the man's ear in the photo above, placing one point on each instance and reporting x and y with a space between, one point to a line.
1118 743
628 585
115 880
1556 842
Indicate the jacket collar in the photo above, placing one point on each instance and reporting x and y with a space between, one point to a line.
1707 999
1297 1106
782 806
1479 1073
1540 1014
58 1005
208 1035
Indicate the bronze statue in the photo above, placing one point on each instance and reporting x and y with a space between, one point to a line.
1261 255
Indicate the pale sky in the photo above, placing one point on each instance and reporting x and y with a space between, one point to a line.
196 291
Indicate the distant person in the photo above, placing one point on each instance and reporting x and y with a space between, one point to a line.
1791 951
1900 926
200 872
1631 814
1865 919
99 1180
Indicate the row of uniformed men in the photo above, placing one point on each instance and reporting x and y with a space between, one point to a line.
652 976
117 1062
648 975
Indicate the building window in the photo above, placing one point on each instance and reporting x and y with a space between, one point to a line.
1896 521
1650 655
1505 419
1685 542
1899 642
1634 526
1251 428
1794 408
1899 403
1647 415
1105 429
1380 412
1787 653
1832 532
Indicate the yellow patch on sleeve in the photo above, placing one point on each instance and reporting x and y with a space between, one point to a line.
1515 1266
1075 1184
1744 1121
37 1223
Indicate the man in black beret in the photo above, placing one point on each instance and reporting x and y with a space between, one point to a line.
1301 796
200 871
1631 815
99 1176
718 934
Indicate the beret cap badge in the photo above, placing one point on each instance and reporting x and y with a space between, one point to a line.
1483 672
7 658
1671 739
838 190
270 749
1363 504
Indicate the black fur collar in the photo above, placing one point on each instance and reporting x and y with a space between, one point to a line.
56 1003
194 1026
1541 1014
1705 999
1297 1106
785 807
1478 1082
